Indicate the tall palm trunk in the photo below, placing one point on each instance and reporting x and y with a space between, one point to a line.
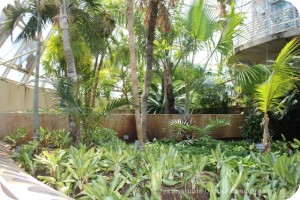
168 89
96 82
134 78
37 72
71 71
150 38
266 134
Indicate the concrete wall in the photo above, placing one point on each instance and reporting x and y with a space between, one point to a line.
157 125
18 97
11 122
123 124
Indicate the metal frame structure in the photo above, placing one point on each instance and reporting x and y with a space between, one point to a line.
267 21
17 59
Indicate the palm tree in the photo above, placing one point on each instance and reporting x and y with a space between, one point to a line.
280 82
39 15
37 72
222 6
153 6
54 11
134 78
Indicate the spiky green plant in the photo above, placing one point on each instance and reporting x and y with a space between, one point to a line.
181 127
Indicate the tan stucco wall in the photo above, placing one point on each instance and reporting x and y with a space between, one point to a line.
18 97
11 122
123 124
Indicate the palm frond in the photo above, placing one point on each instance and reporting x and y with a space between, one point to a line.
268 93
248 76
288 52
200 21
66 91
14 14
212 125
225 43
280 82
180 126
116 103
27 12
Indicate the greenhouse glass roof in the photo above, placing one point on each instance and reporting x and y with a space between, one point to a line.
17 59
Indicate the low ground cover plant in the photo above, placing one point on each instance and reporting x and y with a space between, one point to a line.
104 167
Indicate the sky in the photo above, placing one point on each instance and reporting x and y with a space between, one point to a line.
3 3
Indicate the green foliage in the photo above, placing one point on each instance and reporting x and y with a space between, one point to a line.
249 76
229 181
213 98
220 158
112 169
55 138
156 100
16 138
100 189
252 128
282 79
102 137
200 21
181 127
230 24
82 164
24 154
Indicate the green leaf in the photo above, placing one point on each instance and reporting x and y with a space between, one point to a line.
169 182
200 23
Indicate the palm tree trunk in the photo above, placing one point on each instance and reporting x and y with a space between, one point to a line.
96 82
168 89
37 73
64 25
150 38
266 135
134 78
71 71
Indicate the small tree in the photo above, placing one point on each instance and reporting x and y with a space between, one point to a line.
134 78
281 80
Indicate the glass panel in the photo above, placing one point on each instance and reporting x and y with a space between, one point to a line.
15 75
2 69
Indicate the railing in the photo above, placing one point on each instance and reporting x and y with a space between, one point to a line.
269 24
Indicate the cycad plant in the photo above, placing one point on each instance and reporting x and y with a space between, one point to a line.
72 104
281 80
184 129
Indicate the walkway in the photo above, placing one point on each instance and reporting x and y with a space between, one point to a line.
15 184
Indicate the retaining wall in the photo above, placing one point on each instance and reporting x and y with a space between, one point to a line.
123 124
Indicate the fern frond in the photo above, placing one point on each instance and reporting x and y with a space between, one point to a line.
115 103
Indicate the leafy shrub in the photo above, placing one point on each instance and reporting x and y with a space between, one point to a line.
16 138
24 155
102 136
110 169
252 129
55 138
184 128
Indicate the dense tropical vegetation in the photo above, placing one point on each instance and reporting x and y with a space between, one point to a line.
104 167
158 56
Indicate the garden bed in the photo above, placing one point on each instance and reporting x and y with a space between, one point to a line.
105 167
